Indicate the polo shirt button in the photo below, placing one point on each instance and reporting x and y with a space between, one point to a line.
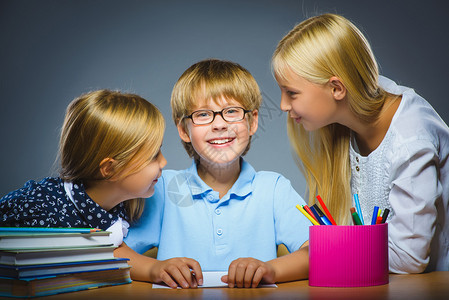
218 211
219 231
210 197
357 168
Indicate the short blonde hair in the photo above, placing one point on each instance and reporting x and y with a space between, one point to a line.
317 49
212 79
109 124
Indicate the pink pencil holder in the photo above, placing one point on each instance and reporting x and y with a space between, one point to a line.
348 256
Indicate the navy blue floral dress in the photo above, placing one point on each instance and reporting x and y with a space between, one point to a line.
46 204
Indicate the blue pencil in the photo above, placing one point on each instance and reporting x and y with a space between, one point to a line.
317 216
325 220
358 208
373 220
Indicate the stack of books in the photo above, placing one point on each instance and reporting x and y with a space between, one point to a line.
46 261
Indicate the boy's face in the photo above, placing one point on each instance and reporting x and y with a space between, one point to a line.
219 142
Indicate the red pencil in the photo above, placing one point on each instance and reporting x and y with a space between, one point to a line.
326 211
307 209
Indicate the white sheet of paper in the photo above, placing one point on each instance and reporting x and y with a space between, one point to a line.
211 280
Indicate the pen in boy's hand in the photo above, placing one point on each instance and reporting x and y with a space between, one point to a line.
200 281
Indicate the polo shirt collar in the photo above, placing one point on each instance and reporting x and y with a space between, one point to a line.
242 187
239 190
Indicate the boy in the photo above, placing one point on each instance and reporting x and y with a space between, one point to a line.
220 214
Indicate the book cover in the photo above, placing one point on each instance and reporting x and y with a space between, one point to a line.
48 229
45 286
27 271
25 238
58 255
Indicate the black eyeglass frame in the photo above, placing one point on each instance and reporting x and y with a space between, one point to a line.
245 111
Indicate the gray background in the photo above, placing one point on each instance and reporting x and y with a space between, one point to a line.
52 51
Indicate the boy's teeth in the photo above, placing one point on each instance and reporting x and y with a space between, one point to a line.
220 141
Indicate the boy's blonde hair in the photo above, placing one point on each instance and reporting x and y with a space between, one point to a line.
317 49
210 80
109 124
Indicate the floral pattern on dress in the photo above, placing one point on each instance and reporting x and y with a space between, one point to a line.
46 204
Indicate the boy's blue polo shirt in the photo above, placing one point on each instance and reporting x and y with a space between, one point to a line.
186 218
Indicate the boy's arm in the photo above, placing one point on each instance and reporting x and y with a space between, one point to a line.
293 266
173 272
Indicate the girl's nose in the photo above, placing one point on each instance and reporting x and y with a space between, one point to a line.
285 104
162 161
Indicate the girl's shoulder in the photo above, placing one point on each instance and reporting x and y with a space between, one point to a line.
414 111
417 119
415 129
37 189
28 205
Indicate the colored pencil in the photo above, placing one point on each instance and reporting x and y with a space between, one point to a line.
374 218
326 211
317 216
385 215
355 217
307 209
358 208
304 212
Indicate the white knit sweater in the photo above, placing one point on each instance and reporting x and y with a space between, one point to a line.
409 174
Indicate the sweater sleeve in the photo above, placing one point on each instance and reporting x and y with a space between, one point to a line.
415 189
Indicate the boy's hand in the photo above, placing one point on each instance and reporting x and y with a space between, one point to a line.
182 271
248 272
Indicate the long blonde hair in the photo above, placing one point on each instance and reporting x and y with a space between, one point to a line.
109 124
317 49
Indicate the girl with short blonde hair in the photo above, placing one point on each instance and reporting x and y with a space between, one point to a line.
110 159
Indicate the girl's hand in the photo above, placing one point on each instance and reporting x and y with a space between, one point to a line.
248 272
178 271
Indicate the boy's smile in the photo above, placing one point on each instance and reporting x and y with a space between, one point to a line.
219 142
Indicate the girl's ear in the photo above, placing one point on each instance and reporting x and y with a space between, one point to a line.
338 88
254 123
183 134
107 167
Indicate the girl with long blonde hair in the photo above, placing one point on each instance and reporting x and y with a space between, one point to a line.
356 132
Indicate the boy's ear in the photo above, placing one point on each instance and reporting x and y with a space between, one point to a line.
107 167
254 123
183 134
338 89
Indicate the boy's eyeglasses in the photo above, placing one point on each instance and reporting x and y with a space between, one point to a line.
207 116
